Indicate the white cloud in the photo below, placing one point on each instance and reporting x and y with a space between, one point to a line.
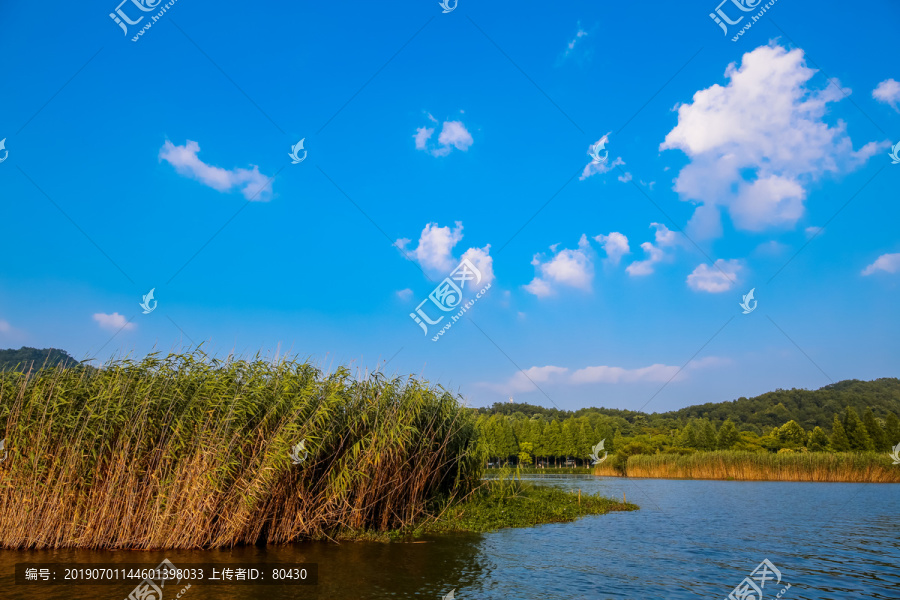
757 142
812 232
572 268
481 258
113 322
453 135
625 178
404 294
604 374
524 381
423 134
888 91
186 162
655 253
889 263
715 279
615 245
5 327
434 252
435 249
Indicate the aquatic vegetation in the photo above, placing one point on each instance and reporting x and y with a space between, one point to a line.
187 451
764 466
511 502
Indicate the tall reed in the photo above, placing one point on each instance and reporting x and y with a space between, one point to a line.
764 466
185 451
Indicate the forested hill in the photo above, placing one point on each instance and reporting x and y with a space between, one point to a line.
25 357
772 409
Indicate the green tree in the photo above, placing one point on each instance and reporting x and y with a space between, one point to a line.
791 434
875 431
856 432
728 435
708 436
525 450
688 437
553 439
818 441
839 440
892 429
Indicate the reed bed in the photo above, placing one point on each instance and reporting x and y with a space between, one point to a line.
754 466
184 451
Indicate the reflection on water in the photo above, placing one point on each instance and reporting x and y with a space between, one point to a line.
690 540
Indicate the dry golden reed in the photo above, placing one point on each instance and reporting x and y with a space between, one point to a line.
764 466
185 451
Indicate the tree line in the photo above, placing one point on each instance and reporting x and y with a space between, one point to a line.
539 439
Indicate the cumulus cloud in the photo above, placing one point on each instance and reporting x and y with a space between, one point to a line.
252 184
113 322
404 294
757 142
615 245
453 135
434 251
889 263
423 134
888 92
604 374
655 252
715 279
568 267
524 381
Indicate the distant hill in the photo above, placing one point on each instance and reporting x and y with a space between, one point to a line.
772 409
24 358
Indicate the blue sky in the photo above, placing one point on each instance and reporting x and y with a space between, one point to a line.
432 137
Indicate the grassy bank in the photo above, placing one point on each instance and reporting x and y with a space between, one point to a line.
186 452
513 503
756 466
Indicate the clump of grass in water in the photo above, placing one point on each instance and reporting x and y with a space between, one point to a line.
507 501
185 451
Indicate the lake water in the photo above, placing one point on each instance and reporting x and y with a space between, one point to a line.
690 540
